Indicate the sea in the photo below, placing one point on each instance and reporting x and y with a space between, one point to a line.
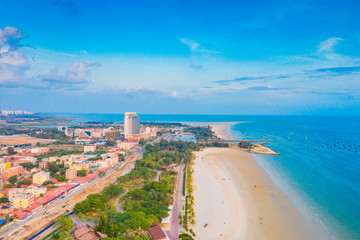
318 166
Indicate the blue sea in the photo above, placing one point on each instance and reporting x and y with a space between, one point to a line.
318 166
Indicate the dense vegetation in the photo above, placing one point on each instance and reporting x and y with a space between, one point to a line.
59 153
201 132
64 224
246 145
146 201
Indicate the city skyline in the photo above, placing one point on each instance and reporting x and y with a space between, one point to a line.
278 58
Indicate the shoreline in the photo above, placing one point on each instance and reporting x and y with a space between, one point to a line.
239 210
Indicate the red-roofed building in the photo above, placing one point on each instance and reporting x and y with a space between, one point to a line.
33 207
21 215
54 180
156 233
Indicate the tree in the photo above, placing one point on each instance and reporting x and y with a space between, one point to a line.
26 181
10 150
185 236
102 174
4 199
113 190
47 182
121 157
27 165
110 143
53 167
65 222
13 179
16 216
9 185
61 178
81 173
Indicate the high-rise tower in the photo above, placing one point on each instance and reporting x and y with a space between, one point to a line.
131 124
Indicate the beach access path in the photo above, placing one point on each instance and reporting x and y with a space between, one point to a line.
174 231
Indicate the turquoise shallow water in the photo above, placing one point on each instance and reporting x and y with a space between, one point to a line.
319 159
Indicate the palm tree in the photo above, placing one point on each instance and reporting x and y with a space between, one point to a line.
16 216
7 218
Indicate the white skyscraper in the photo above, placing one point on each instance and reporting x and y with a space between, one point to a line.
131 124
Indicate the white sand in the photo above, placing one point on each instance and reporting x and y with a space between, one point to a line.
216 203
227 200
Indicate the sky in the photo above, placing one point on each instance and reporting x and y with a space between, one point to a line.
181 57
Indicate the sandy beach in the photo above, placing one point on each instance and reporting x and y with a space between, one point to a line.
229 206
221 129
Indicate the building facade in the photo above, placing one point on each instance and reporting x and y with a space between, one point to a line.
41 177
71 174
13 171
131 124
23 201
90 148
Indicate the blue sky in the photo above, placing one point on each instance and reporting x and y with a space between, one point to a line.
187 57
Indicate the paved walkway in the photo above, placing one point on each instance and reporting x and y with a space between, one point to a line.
119 205
174 231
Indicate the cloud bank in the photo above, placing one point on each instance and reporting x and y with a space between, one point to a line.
14 66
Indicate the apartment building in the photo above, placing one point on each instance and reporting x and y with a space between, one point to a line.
13 171
131 124
36 191
14 192
41 177
23 201
71 174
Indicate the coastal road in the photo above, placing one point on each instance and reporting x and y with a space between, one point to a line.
174 231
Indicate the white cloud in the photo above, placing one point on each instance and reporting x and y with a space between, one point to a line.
13 62
76 73
195 46
326 48
10 36
14 66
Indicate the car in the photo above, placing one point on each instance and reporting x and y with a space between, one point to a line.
63 206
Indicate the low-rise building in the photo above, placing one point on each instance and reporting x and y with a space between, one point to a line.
41 177
90 148
23 201
84 233
157 233
53 158
5 210
43 164
25 160
36 191
39 150
14 192
13 171
126 145
71 174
